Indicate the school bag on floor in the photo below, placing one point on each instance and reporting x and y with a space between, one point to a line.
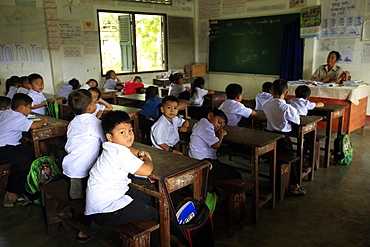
43 170
343 151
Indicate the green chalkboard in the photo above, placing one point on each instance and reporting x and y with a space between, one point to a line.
248 45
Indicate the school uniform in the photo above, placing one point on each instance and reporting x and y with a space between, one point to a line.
38 98
12 90
262 99
176 89
164 132
110 84
150 108
302 105
323 71
65 90
234 111
99 107
11 151
85 86
198 96
23 90
84 138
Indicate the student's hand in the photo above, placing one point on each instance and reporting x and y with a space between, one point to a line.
177 152
221 133
183 129
143 154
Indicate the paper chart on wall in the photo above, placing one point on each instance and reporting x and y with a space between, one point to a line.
21 53
70 8
346 44
270 7
209 9
52 24
70 32
72 51
365 56
233 6
327 44
346 57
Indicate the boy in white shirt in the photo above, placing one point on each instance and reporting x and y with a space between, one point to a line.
206 138
265 96
39 100
13 122
232 107
101 104
301 102
165 132
84 138
109 199
5 103
279 116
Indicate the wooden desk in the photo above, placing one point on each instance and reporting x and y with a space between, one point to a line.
135 100
109 94
330 112
214 100
173 172
54 128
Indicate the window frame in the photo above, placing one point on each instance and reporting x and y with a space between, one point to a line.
134 45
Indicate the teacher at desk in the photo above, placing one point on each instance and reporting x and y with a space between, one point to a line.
329 72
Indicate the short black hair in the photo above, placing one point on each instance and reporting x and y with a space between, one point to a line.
151 92
33 77
198 82
96 90
280 86
113 118
97 84
136 77
337 54
218 113
266 87
169 99
79 100
74 83
302 92
12 81
24 80
107 75
20 99
233 90
5 102
175 77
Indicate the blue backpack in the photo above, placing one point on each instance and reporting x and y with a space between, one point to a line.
343 150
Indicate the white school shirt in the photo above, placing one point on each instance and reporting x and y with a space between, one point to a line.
23 90
198 96
65 90
85 86
279 114
12 90
84 138
12 124
110 84
164 132
37 98
201 140
99 107
234 111
176 89
262 99
302 105
108 181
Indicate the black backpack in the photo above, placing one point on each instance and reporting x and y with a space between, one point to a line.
343 151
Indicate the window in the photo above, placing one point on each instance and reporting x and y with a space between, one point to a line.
132 42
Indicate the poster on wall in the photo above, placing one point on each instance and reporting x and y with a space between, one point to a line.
346 57
310 21
341 18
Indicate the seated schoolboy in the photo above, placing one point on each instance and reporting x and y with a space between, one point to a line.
279 116
206 138
301 102
112 81
109 199
131 86
24 86
84 138
13 122
12 85
90 83
39 100
233 108
68 87
165 132
101 104
177 85
265 96
5 103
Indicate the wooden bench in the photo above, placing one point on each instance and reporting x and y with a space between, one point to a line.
58 208
319 138
235 191
5 170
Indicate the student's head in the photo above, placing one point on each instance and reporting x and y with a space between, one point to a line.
117 128
36 81
234 91
218 118
279 88
95 94
266 87
333 57
92 83
137 79
177 78
110 74
151 92
22 103
74 83
80 101
12 81
198 82
302 92
170 107
25 83
4 103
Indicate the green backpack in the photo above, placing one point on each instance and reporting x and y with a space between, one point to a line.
52 109
42 171
343 151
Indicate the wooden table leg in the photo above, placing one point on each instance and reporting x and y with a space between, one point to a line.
272 175
312 136
255 193
164 218
329 119
135 119
300 141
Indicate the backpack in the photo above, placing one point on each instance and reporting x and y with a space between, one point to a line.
343 151
52 109
40 174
